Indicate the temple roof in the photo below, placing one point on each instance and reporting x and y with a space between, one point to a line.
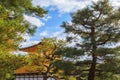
32 48
25 70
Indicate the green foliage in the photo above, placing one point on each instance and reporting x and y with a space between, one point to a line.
70 52
13 26
9 63
97 26
70 78
67 67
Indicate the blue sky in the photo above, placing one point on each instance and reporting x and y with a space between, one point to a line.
52 25
58 11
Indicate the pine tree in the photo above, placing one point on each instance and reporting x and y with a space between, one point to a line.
12 28
12 23
98 27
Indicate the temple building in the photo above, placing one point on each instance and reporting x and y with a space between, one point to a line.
25 73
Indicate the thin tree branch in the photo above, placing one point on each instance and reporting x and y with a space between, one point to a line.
105 41
85 26
98 16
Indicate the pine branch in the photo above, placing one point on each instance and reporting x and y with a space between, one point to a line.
79 31
85 26
89 69
105 41
98 17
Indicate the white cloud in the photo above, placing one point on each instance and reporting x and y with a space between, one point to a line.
62 36
34 21
44 33
62 5
68 5
59 35
27 41
115 3
26 37
46 18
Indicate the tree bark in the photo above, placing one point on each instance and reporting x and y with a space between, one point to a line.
92 69
91 74
44 77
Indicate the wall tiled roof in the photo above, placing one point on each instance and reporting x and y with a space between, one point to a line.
25 70
31 48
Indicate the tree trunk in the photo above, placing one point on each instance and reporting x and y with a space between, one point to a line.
92 69
45 77
91 74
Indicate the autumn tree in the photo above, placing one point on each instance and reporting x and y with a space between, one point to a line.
96 31
43 60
